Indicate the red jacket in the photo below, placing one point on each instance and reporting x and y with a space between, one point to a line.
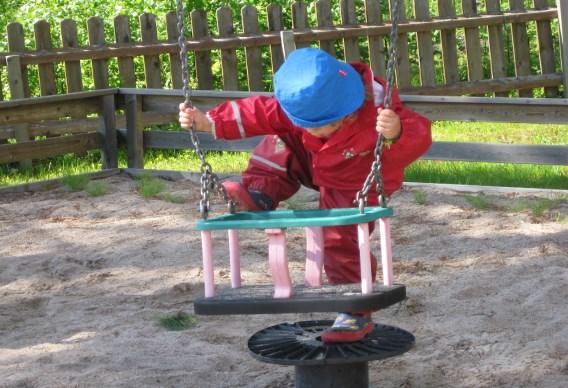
344 160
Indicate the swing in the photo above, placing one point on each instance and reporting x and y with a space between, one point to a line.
283 296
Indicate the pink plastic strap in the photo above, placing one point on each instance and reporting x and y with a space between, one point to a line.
314 256
365 258
386 251
278 260
207 253
235 258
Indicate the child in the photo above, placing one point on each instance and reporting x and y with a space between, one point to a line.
322 126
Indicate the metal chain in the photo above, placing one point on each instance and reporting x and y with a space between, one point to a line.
375 174
209 180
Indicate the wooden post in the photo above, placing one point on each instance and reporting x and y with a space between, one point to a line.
134 131
107 129
15 80
97 38
149 34
288 44
122 35
563 22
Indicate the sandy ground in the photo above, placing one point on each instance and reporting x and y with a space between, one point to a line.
84 281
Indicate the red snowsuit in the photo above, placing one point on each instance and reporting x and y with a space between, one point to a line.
336 166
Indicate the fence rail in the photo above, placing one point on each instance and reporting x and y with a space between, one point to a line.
123 113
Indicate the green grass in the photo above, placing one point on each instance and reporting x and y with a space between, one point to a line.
76 182
468 173
96 188
420 197
178 321
480 202
148 186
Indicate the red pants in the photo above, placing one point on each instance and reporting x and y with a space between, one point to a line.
279 165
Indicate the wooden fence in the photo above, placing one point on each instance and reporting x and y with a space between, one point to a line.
141 106
92 119
442 54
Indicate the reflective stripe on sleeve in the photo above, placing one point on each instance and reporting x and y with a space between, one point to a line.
212 125
237 114
268 163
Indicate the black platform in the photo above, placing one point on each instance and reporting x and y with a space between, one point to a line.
323 365
328 298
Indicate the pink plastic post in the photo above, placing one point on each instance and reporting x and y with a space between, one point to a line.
314 256
235 258
207 253
278 260
365 258
386 251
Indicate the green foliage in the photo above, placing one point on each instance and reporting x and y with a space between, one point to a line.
537 206
148 186
54 11
178 321
480 202
420 197
96 188
76 182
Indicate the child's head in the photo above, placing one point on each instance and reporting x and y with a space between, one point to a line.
317 91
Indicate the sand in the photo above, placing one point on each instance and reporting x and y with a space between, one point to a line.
84 281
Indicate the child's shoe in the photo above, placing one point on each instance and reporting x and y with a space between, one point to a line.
349 327
247 200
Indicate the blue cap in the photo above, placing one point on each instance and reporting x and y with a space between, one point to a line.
315 89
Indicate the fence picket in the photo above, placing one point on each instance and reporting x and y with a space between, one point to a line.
200 29
73 77
449 43
253 55
274 16
325 19
16 43
149 34
42 33
497 46
97 38
21 131
349 17
403 73
472 44
425 47
175 61
300 20
521 49
228 56
122 35
545 47
376 43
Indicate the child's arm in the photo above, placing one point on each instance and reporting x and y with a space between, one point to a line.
188 116
247 117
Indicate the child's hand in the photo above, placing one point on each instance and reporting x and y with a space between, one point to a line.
187 116
388 123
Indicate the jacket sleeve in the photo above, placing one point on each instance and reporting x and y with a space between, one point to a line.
248 117
415 138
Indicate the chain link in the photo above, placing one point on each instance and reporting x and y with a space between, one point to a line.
375 173
209 180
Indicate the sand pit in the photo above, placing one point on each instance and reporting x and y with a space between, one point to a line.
84 281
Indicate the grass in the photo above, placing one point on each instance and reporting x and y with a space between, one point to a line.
96 188
480 202
468 173
148 186
420 197
178 321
